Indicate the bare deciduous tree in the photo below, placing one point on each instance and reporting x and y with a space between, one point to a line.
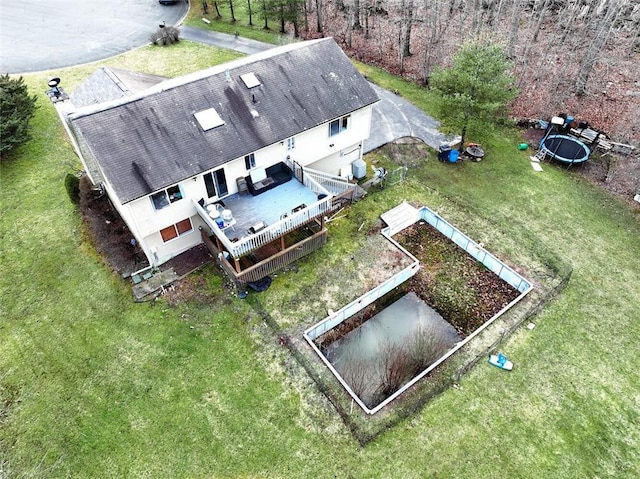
250 13
515 25
215 5
319 15
355 23
611 14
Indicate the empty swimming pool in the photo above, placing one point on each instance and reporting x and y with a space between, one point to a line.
391 348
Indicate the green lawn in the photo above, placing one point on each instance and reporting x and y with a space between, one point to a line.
95 385
241 26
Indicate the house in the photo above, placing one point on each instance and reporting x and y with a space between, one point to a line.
248 156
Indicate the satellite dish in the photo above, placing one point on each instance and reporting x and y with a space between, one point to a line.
53 82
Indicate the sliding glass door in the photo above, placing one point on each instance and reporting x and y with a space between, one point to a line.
216 183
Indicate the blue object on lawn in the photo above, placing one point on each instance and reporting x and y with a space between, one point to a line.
453 156
500 361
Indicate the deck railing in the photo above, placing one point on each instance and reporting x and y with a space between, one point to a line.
246 245
272 264
320 182
317 181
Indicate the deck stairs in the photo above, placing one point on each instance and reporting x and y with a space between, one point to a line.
400 217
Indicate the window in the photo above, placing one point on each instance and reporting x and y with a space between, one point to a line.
164 198
184 226
216 183
339 125
173 231
250 161
210 185
291 143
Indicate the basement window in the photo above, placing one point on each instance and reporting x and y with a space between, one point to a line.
208 119
173 231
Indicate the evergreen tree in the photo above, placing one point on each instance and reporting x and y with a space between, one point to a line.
477 86
17 108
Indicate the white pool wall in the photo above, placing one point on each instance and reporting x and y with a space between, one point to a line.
476 250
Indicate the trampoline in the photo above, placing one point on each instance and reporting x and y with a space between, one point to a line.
565 149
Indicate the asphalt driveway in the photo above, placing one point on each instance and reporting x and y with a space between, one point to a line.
39 35
394 118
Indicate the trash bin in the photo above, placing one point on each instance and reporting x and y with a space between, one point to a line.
443 152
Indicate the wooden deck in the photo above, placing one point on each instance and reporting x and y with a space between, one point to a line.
292 224
271 257
268 207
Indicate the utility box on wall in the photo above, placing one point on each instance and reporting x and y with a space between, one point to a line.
359 169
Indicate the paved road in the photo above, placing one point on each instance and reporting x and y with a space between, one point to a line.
39 35
222 40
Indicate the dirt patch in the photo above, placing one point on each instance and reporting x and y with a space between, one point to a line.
113 239
108 232
409 152
188 261
209 288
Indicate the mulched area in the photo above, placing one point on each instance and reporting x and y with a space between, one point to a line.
189 261
108 232
112 238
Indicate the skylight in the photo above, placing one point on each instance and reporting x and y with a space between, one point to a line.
208 119
250 80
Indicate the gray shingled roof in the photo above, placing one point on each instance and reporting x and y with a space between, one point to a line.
148 142
106 84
